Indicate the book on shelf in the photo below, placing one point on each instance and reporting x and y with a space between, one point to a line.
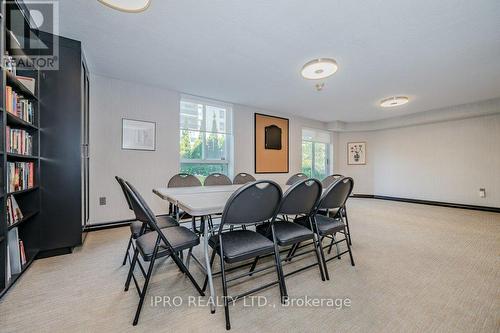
15 261
20 176
18 106
14 213
22 253
28 82
8 270
19 141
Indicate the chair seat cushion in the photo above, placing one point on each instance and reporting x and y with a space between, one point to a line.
163 222
287 233
241 245
180 238
326 225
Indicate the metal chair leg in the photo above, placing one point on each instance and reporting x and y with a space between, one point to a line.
131 269
224 290
318 257
317 244
349 249
254 264
127 252
186 271
193 223
320 245
145 287
347 224
292 251
336 245
188 258
279 271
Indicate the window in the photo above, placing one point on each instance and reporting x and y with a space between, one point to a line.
205 137
316 152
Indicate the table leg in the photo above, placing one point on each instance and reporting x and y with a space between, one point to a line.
207 264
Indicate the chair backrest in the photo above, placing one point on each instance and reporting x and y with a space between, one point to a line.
217 179
141 208
254 202
183 180
140 214
243 178
301 197
336 195
296 178
329 180
125 193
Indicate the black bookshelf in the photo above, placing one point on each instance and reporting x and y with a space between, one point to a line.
28 229
56 208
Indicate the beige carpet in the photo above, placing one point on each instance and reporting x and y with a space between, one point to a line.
418 269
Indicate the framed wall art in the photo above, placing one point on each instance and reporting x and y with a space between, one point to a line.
138 135
356 153
271 144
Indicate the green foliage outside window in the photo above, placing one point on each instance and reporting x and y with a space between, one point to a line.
192 147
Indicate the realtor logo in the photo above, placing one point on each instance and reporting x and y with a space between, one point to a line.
31 36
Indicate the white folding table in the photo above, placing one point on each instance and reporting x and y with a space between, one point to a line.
201 201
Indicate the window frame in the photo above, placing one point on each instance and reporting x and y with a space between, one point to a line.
328 151
228 132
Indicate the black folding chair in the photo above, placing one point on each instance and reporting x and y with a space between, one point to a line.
296 178
329 180
156 244
252 203
181 180
217 179
333 199
300 199
243 178
138 227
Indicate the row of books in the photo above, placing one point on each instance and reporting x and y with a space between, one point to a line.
20 175
19 141
14 213
18 106
16 254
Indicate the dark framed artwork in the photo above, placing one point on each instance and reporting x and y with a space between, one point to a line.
138 135
271 144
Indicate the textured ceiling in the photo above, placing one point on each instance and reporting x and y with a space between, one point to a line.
439 53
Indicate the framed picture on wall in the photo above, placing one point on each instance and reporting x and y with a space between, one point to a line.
356 153
271 144
138 135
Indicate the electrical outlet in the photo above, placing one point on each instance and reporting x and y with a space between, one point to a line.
102 201
482 192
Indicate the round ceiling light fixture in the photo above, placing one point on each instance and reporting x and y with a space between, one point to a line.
393 101
127 6
319 69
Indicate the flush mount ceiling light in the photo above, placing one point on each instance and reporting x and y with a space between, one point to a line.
393 101
128 6
319 69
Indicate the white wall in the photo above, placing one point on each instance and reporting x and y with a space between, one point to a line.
446 161
112 100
